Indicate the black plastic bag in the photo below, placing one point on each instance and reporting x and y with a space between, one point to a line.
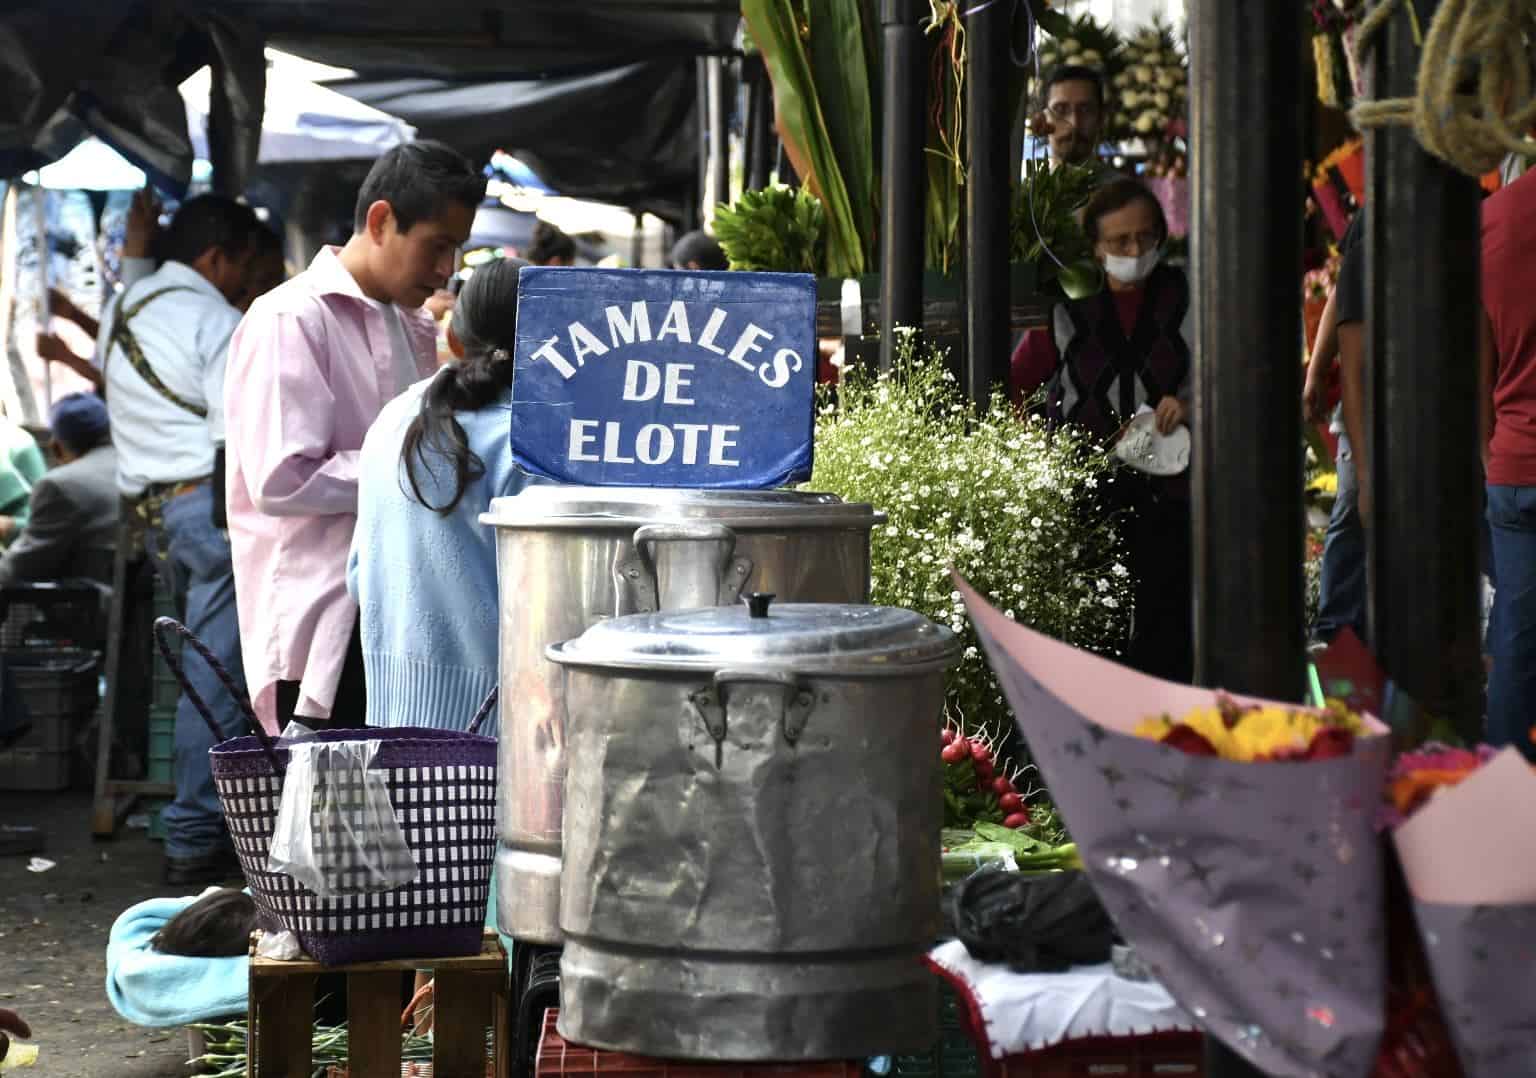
1036 924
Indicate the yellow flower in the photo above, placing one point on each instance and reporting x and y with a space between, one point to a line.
1271 730
1208 723
1155 728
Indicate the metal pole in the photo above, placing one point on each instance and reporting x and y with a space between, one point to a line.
1422 387
637 241
988 191
751 91
765 144
901 194
719 174
1248 515
702 190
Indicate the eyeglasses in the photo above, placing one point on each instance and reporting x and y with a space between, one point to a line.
1083 110
1130 243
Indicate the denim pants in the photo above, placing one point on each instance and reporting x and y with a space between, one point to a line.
1512 629
1342 598
195 558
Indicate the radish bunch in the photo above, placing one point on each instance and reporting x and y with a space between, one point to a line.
974 788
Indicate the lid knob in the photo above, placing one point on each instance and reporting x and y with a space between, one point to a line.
757 603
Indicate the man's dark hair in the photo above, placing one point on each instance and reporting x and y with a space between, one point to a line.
1073 73
549 243
418 179
1117 195
207 222
699 247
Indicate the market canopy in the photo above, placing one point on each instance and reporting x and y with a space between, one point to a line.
112 67
626 135
303 121
478 39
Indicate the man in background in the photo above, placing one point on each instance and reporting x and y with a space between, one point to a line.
1508 425
698 250
72 528
162 350
1072 118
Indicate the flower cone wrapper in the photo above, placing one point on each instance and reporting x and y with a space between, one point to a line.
1469 857
1253 890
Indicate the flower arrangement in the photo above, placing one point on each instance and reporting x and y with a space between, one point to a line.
1086 42
992 493
1417 776
1317 283
1258 734
1152 88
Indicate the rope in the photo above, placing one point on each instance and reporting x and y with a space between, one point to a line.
1467 39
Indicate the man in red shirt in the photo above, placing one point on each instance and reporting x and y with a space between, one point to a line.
1509 455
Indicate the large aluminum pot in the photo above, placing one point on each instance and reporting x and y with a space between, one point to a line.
568 557
752 824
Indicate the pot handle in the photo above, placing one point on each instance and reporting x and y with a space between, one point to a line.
718 583
798 698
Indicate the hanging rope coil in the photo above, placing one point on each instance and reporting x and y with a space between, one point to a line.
1467 39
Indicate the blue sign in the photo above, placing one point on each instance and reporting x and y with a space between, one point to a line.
664 378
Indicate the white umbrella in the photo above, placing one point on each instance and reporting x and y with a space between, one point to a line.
303 122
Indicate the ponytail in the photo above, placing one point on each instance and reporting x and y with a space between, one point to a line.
485 321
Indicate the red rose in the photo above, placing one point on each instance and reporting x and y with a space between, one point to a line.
1330 742
1185 739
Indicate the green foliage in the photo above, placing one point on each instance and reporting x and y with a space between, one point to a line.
1045 221
992 494
779 229
804 93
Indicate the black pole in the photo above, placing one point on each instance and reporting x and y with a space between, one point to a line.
786 168
719 91
1422 254
765 144
702 188
988 191
1247 481
746 101
637 241
902 171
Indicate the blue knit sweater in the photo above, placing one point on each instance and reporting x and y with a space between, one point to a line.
425 584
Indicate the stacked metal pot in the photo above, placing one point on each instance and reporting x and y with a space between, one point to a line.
748 797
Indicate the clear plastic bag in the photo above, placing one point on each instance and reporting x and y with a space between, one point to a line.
336 829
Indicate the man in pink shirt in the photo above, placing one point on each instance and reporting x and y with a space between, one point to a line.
309 369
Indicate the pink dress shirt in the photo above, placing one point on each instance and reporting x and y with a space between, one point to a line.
309 369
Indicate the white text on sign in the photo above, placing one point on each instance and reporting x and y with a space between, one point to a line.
607 442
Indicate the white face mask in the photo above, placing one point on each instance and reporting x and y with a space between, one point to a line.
1132 270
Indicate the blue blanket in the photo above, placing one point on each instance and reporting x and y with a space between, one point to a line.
153 989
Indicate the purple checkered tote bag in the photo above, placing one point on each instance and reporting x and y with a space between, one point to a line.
442 786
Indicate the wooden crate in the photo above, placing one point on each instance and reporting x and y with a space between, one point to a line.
471 993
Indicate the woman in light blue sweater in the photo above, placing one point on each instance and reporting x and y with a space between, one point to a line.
423 567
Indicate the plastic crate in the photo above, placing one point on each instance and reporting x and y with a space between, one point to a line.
164 691
162 745
1155 1055
51 615
954 1056
59 689
34 769
156 810
556 1057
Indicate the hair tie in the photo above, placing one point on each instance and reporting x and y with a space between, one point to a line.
500 355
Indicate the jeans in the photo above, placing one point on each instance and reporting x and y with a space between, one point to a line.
195 556
1512 629
1342 598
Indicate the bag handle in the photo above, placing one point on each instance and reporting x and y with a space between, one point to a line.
484 709
164 627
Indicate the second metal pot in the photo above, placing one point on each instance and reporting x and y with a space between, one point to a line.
569 557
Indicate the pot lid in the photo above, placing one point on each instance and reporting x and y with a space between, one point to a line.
825 638
545 505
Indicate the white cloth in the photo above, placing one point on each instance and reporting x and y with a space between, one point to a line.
185 338
1023 1012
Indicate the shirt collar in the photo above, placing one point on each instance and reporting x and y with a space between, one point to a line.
331 277
181 275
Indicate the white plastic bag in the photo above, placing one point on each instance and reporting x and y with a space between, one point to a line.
336 830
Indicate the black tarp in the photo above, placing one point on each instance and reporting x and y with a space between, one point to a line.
627 135
615 123
112 67
478 40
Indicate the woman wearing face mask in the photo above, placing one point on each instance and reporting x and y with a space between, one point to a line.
1109 356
